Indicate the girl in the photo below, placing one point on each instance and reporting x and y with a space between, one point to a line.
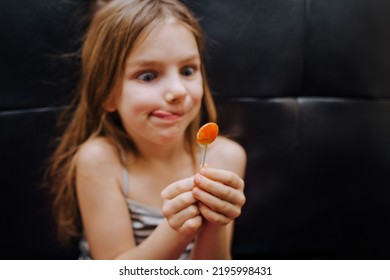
125 173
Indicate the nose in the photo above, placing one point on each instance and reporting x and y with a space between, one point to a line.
176 90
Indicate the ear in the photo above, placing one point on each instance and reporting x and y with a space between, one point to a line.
110 105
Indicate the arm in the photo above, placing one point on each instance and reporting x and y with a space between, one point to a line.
105 216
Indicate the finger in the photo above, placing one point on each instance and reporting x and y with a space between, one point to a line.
177 188
176 221
216 204
224 176
213 216
178 203
224 192
192 225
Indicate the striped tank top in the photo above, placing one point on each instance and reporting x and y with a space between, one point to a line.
144 220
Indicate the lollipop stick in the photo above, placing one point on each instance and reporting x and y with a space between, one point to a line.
203 156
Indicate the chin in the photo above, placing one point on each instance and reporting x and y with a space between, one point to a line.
172 138
169 140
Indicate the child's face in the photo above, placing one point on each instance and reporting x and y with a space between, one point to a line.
162 86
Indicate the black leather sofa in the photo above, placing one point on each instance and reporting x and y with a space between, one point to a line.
303 85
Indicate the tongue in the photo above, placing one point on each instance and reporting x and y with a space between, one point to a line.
162 114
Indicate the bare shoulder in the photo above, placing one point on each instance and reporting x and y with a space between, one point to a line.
227 154
228 148
97 155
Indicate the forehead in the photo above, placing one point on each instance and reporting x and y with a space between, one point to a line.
171 37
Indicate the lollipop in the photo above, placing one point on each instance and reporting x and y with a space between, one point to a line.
206 135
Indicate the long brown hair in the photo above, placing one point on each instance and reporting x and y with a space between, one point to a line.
114 30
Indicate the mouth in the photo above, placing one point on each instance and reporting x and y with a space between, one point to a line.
166 115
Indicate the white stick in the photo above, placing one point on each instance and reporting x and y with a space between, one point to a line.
203 156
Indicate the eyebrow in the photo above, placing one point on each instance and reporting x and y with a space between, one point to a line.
144 62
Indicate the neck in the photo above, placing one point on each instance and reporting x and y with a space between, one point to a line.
161 153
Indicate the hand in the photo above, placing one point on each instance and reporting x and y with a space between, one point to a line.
180 207
220 194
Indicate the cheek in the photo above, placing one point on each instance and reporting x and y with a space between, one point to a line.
197 92
133 104
197 102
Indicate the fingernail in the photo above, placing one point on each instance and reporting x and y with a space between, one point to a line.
198 179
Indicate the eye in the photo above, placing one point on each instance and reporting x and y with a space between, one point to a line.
146 76
188 70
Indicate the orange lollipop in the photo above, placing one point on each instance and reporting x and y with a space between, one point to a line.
206 135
